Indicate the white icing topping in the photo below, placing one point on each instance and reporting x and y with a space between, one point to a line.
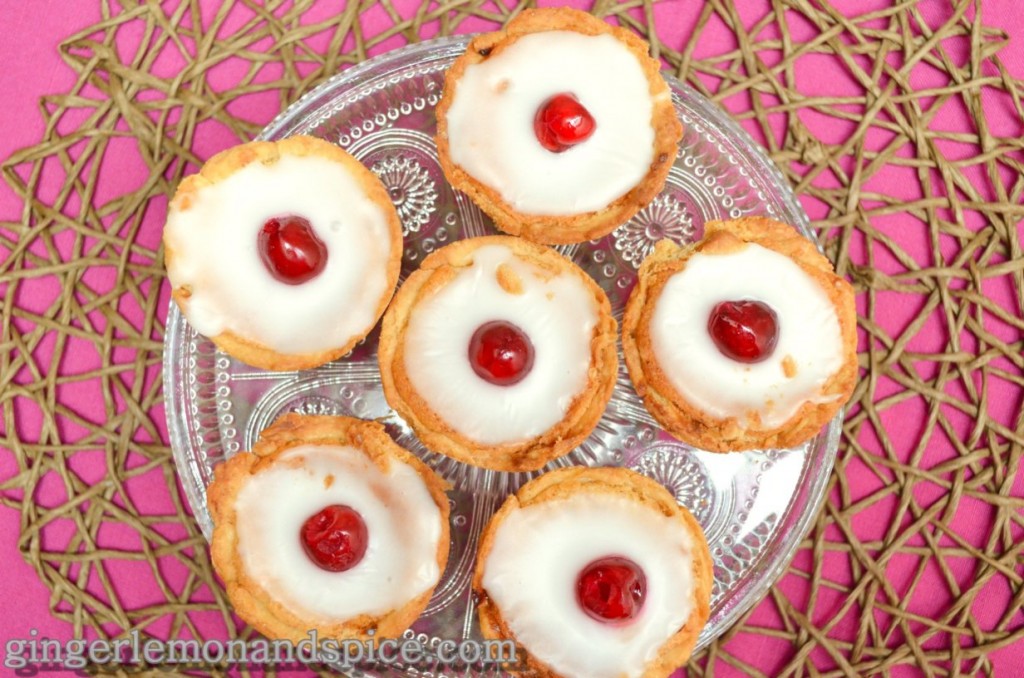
402 521
808 328
490 122
538 554
557 313
215 253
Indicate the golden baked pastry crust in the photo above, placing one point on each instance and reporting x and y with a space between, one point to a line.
229 161
583 413
578 227
254 604
691 424
564 483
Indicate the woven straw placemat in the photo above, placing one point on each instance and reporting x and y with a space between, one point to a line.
892 573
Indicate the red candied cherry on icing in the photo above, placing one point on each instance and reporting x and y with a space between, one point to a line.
291 250
500 353
745 331
611 589
562 122
335 539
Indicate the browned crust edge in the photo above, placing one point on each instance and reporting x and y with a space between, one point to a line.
623 482
583 413
229 161
579 227
687 422
249 599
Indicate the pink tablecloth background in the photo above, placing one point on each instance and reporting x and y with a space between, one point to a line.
32 68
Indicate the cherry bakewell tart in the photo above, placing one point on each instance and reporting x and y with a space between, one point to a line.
499 353
559 127
746 339
328 525
595 573
284 253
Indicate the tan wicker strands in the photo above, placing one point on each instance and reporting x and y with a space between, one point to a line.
84 250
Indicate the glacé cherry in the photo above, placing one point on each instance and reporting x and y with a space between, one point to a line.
745 331
291 250
500 353
611 589
562 122
335 538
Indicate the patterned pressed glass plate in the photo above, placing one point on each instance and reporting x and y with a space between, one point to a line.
754 506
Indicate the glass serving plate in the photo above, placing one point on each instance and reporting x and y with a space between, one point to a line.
754 506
